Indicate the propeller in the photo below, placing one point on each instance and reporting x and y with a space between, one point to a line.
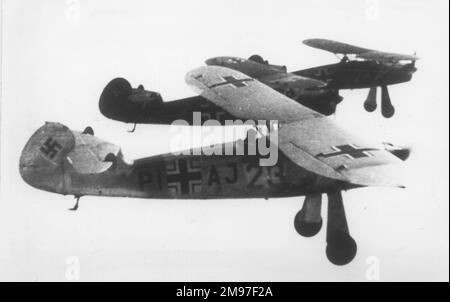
413 64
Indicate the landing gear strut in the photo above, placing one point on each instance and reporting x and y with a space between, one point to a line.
387 110
341 247
371 102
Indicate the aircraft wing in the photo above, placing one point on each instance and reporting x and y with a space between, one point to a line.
308 138
245 97
334 46
273 75
360 52
321 144
386 56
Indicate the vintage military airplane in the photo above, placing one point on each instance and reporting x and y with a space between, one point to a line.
312 93
119 101
369 69
362 68
316 88
316 157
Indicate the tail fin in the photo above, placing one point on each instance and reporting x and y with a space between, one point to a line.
42 159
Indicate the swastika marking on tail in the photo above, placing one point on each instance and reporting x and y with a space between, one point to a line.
50 148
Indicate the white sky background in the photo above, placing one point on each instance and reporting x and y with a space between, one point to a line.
58 56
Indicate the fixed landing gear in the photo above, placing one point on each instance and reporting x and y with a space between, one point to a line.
308 220
370 104
387 110
75 207
341 247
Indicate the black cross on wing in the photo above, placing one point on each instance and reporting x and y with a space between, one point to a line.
350 151
230 80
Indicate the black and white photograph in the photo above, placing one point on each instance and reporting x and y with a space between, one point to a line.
220 141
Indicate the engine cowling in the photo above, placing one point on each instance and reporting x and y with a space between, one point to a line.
119 101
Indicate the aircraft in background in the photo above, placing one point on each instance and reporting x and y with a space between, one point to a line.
363 68
358 68
316 88
120 101
316 157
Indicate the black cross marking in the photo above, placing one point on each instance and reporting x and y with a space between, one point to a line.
348 150
50 148
236 83
184 176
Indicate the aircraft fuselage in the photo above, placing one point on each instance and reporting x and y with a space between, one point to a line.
360 74
200 177
56 159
